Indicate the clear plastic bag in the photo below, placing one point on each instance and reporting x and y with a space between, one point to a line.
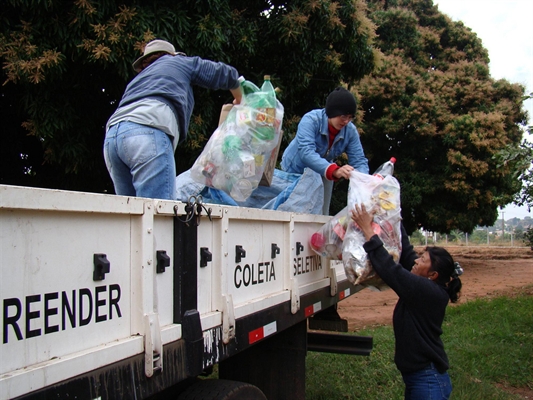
237 153
328 240
383 196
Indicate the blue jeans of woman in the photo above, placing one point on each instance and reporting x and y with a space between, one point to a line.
140 160
427 384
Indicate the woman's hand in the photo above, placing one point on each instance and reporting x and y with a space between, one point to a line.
343 172
364 220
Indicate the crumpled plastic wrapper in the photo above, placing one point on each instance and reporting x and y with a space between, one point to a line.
382 195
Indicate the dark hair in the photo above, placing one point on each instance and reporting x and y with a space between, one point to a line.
442 262
148 60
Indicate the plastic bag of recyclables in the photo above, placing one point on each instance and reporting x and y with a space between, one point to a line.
235 156
327 241
381 194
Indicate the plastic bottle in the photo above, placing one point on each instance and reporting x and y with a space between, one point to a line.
222 181
231 147
317 242
266 111
385 169
241 190
269 93
228 174
247 87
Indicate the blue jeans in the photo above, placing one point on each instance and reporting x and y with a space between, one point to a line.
427 384
140 160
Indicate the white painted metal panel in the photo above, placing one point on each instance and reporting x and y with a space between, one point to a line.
19 197
164 281
54 306
339 270
57 321
308 268
208 275
259 275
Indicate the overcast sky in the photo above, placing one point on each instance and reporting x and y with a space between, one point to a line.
505 28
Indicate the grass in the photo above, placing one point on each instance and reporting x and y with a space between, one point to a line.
489 343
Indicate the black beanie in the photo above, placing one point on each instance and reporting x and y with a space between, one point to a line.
340 102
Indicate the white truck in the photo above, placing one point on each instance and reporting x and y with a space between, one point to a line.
112 297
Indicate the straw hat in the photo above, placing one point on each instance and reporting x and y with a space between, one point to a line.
153 47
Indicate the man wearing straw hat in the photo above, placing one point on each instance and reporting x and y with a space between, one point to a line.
153 118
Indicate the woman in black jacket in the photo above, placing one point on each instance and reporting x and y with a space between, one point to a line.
424 286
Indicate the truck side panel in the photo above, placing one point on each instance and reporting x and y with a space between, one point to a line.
97 283
57 321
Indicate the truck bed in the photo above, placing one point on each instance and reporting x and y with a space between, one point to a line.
95 283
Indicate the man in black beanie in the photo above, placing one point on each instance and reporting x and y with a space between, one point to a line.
322 136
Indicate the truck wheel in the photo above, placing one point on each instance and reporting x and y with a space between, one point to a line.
220 389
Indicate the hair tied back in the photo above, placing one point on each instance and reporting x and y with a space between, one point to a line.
458 271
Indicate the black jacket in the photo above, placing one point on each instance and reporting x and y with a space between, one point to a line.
419 313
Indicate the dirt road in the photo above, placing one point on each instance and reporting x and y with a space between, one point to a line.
488 271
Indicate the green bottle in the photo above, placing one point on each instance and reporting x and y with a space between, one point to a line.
266 114
231 147
269 94
247 87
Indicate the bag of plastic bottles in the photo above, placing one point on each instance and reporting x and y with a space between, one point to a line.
327 241
379 192
238 151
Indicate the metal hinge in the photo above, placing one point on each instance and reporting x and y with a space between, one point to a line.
153 346
228 318
295 296
332 282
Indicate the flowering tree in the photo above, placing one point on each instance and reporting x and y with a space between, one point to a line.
66 64
434 106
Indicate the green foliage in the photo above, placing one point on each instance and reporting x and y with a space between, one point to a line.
66 64
521 162
417 238
424 89
456 236
519 233
433 105
478 236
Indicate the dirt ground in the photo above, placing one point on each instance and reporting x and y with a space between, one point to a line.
488 271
